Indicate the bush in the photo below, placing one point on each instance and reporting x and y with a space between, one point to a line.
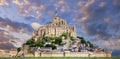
71 38
31 42
58 40
91 45
65 35
40 43
48 39
53 46
19 49
82 40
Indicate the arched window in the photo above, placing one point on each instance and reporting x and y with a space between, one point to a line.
59 23
63 23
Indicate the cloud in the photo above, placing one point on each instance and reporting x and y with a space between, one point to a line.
80 3
61 2
102 4
16 2
13 34
107 20
87 5
16 43
35 25
4 3
111 44
4 40
27 2
116 2
38 15
6 33
27 8
15 26
98 21
10 30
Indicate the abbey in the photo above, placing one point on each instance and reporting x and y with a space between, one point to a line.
55 29
49 41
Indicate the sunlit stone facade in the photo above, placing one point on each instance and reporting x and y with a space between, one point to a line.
55 29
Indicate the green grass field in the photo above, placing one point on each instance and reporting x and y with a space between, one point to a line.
59 58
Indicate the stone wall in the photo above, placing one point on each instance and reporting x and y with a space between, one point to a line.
69 54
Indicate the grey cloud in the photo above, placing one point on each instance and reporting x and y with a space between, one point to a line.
94 20
15 25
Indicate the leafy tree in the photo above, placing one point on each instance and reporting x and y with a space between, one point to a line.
88 43
40 43
48 38
80 37
51 38
58 40
18 50
83 41
31 42
91 45
53 41
65 35
53 46
71 38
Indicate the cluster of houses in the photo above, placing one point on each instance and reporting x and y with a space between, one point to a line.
8 53
68 46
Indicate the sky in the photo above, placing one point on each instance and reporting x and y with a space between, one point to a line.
96 20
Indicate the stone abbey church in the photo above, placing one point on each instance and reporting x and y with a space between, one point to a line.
55 29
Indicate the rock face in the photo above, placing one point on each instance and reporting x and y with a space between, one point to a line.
55 29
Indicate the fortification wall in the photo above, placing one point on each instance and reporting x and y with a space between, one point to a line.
70 54
51 54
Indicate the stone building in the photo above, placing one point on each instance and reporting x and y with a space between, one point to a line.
55 29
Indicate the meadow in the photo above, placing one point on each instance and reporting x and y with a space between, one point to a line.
118 57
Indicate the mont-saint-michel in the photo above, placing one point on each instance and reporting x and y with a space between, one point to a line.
61 29
58 39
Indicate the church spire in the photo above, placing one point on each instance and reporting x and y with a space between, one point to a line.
56 13
56 17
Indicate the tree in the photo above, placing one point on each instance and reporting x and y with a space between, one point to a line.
91 45
51 38
40 43
31 42
71 38
58 40
53 46
48 39
18 50
80 37
65 35
83 41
